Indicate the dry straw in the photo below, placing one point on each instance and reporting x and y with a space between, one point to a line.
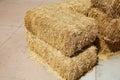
81 6
69 68
107 49
109 28
60 27
115 9
110 7
103 5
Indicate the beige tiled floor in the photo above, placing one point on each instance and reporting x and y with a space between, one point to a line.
15 63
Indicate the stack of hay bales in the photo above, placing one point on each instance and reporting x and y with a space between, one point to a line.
63 39
65 30
63 35
107 14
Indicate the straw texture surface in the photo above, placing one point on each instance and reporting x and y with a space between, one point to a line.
60 27
69 68
110 7
107 47
109 32
81 6
109 28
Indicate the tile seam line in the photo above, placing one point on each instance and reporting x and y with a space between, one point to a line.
10 36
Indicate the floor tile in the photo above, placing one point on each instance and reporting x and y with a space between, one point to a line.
13 11
109 70
5 33
90 75
49 2
15 63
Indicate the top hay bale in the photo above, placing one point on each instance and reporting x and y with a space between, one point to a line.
60 27
107 14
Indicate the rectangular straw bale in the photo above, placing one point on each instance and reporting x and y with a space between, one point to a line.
109 28
69 68
65 30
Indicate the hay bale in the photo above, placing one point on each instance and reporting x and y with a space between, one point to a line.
109 33
69 68
81 6
110 7
109 28
63 29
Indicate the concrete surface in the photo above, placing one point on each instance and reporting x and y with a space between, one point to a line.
15 63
